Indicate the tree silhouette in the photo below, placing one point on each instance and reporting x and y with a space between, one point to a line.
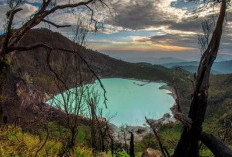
188 143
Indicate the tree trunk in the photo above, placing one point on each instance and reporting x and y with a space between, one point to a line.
218 148
103 148
125 143
73 138
188 144
4 67
112 146
132 147
93 128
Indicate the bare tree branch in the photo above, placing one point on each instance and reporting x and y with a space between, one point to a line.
59 7
162 148
40 15
29 47
56 25
10 16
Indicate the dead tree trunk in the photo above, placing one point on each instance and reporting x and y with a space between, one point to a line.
132 146
162 148
112 146
73 138
103 142
102 132
4 70
218 148
93 127
111 139
188 144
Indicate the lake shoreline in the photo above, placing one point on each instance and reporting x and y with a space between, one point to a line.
173 94
167 117
141 131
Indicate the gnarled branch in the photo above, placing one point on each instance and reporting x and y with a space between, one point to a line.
53 24
10 16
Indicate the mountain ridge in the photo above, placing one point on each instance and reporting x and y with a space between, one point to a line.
223 67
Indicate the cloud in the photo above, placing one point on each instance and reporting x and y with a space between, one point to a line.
137 14
176 40
179 22
140 43
131 25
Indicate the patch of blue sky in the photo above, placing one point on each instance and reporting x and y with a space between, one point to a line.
36 4
123 36
2 2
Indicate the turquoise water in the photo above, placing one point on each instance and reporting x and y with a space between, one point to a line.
129 101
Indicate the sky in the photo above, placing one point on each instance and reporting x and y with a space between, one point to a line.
154 31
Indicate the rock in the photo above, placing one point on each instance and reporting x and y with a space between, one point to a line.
152 153
140 131
167 118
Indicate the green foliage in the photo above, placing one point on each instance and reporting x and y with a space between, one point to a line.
81 136
138 154
12 137
122 154
171 132
148 142
83 152
4 64
15 142
206 153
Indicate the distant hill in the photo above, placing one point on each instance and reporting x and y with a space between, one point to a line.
165 60
224 67
180 64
